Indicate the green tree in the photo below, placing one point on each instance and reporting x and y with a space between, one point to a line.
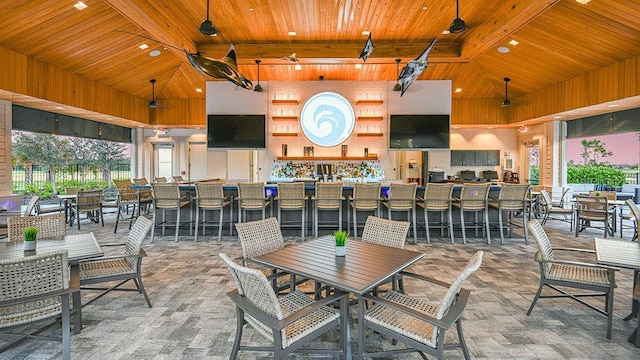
40 149
593 151
106 154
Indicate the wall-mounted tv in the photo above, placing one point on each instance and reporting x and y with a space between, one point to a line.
419 132
236 131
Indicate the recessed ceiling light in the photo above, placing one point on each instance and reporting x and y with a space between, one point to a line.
298 67
503 49
613 105
198 90
154 53
80 5
366 32
583 2
250 8
292 33
358 66
425 7
458 90
489 127
514 42
446 32
143 46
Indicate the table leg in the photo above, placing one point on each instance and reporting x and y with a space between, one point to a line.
74 283
632 339
635 305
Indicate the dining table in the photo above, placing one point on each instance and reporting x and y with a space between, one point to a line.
364 266
79 247
626 255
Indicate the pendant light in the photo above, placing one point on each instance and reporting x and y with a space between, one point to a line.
207 27
506 101
458 25
397 86
258 88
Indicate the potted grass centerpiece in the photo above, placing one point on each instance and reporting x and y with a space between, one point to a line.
340 238
30 234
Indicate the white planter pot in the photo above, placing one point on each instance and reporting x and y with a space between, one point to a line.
340 250
29 245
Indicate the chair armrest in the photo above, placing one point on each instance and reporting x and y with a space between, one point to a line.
576 263
115 257
425 278
28 299
575 249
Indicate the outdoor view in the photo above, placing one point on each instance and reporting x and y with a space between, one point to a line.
45 164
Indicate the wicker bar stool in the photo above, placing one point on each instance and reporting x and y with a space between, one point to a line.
209 196
251 197
402 197
512 200
366 197
292 197
437 198
474 197
141 181
328 197
166 196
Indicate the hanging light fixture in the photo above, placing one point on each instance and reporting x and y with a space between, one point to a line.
397 86
258 88
457 25
506 101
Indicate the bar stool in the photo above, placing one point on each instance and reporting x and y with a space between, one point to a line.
251 197
160 179
366 197
437 198
209 196
127 197
474 197
141 182
291 197
402 197
328 197
512 199
166 196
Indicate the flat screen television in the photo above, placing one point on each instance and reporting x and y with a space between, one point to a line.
236 131
419 132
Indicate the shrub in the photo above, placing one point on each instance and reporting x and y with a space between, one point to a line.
595 175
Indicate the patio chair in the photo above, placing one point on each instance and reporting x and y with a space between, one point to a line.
633 216
590 209
251 197
418 324
210 197
289 321
177 178
35 288
120 268
292 197
437 198
572 274
512 200
328 197
166 196
474 198
31 205
49 226
141 181
89 202
160 179
548 210
52 208
402 197
366 197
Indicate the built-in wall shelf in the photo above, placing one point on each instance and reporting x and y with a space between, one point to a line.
285 134
328 158
369 102
369 134
370 118
284 101
284 118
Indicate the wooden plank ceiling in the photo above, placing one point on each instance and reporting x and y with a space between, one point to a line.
558 40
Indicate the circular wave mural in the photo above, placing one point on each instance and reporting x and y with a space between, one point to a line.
327 119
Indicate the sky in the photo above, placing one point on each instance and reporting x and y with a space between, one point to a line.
625 148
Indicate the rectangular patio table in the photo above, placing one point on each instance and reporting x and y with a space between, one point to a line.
79 247
364 266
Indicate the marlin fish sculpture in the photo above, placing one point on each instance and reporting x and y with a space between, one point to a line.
367 49
225 68
414 68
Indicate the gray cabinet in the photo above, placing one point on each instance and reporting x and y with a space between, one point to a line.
493 157
456 158
475 157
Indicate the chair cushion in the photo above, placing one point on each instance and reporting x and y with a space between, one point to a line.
579 274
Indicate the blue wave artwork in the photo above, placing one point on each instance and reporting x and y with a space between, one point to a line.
327 119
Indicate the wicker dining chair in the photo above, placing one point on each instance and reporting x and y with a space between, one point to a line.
474 198
292 197
49 226
251 197
633 215
512 200
141 181
121 268
402 198
590 209
290 321
31 205
160 179
177 178
385 232
127 200
36 288
366 197
420 325
90 203
166 196
328 197
572 274
437 198
210 197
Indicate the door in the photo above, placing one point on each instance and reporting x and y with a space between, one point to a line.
197 161
163 160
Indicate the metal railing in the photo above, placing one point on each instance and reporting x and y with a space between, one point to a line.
84 176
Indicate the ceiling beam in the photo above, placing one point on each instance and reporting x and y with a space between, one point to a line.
336 52
513 15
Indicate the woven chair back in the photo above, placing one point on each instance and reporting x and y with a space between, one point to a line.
177 178
610 195
291 195
260 237
633 208
126 193
136 236
160 179
89 200
251 195
546 199
33 201
209 194
71 190
592 207
474 196
366 196
49 226
31 276
472 265
402 196
541 238
328 195
141 181
385 232
513 196
166 195
438 196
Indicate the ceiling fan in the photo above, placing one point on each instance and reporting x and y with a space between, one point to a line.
506 101
458 25
207 27
153 104
258 88
397 86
